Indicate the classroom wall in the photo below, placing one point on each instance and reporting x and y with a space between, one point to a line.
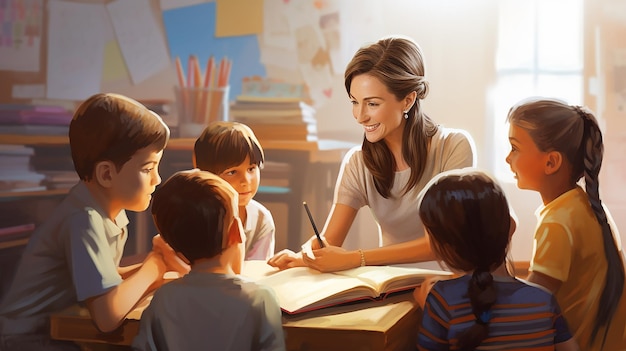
459 41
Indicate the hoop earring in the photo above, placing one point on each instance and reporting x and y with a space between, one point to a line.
406 114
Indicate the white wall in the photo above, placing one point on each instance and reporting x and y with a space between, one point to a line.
458 39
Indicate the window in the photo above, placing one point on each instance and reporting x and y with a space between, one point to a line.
540 53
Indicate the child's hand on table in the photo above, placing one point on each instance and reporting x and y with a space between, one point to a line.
421 292
171 259
286 259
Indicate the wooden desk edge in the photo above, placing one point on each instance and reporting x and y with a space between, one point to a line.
79 329
74 325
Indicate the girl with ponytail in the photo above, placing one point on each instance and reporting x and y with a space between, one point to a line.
577 254
467 218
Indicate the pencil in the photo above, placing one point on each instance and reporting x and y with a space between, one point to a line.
206 86
317 233
197 80
180 73
182 84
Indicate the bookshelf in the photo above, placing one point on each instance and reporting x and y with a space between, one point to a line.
22 211
56 195
315 163
25 194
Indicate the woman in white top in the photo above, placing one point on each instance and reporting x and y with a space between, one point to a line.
402 150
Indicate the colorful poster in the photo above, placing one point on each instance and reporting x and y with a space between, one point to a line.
190 30
20 34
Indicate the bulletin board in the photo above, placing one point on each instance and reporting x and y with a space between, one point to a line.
298 41
183 31
9 78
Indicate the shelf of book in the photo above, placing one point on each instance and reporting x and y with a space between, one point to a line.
13 243
21 194
174 143
21 139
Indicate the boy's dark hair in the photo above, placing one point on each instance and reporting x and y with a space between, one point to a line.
112 127
189 211
226 144
467 216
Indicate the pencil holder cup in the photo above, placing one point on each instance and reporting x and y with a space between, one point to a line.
197 107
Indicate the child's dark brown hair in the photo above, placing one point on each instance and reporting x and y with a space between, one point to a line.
226 144
466 215
189 210
113 127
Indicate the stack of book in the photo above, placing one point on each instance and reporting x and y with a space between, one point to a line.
276 118
55 162
34 119
165 109
16 173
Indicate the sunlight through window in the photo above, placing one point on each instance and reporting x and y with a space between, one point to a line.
540 52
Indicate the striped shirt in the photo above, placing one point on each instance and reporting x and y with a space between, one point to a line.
524 317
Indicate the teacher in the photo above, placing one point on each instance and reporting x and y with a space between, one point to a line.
403 148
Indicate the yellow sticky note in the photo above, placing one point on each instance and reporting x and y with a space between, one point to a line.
114 67
238 17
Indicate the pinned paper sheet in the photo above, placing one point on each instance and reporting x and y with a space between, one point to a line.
76 39
232 21
20 35
140 38
276 30
114 66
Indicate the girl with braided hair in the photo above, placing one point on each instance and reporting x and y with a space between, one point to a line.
467 218
577 254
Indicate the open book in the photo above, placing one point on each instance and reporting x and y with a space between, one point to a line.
302 289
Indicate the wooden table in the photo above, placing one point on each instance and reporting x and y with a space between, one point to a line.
388 325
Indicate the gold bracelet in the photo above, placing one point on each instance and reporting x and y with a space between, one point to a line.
362 257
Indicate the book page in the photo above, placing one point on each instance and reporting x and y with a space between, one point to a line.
388 278
301 288
304 288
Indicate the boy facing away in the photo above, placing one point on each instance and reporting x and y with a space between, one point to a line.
211 308
74 257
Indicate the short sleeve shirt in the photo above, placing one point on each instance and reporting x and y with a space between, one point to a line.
397 216
209 311
568 247
260 232
71 257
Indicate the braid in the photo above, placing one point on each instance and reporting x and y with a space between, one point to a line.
593 148
482 295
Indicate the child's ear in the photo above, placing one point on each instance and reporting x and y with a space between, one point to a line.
234 233
104 173
553 162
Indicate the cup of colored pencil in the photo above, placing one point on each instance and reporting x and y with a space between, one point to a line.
201 98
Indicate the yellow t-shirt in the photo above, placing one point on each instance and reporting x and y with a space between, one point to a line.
568 247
